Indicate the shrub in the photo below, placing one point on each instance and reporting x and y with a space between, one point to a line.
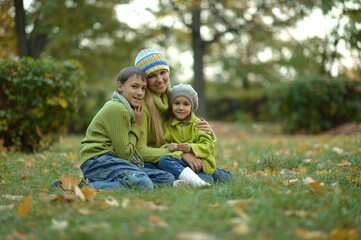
37 99
317 103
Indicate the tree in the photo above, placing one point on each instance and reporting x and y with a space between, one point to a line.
88 31
214 24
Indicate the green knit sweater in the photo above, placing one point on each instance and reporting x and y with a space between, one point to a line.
202 144
111 130
146 145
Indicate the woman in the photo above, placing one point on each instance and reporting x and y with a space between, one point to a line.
156 105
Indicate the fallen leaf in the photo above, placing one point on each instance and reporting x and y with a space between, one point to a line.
302 170
241 228
343 234
30 162
323 172
317 188
301 214
125 202
308 180
306 234
7 207
195 236
84 211
58 225
72 156
111 201
337 150
25 207
157 221
88 192
69 182
11 197
148 205
239 202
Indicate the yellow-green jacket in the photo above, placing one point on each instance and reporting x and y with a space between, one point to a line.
176 131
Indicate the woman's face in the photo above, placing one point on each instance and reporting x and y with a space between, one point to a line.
158 81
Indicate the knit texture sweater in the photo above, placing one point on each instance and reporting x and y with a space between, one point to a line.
176 131
112 130
147 145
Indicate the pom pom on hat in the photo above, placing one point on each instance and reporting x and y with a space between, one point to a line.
184 90
150 60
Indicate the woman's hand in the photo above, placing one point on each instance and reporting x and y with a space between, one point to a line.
184 147
195 163
138 111
204 126
172 147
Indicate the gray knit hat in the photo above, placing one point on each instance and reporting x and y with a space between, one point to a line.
184 90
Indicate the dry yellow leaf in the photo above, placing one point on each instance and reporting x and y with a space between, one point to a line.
88 192
242 228
25 207
157 221
307 234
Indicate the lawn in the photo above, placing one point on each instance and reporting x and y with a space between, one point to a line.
284 187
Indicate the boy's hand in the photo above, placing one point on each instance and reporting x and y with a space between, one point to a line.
172 147
204 126
184 147
138 111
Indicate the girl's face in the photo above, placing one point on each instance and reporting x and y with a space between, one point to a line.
133 90
181 108
158 81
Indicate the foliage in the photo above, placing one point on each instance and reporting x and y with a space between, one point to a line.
88 31
284 187
8 40
89 104
314 104
230 104
37 99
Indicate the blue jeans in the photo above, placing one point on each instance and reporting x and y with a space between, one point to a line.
109 172
175 167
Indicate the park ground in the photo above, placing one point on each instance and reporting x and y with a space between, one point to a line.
285 187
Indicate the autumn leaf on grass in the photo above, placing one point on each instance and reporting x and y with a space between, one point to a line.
289 182
308 181
58 225
317 188
25 207
343 233
72 156
184 235
300 214
148 205
72 184
88 192
30 162
157 221
307 234
241 228
111 201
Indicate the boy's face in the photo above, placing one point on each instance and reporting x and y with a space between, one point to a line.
133 90
181 108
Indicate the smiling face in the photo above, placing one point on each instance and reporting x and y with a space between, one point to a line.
181 108
158 81
133 90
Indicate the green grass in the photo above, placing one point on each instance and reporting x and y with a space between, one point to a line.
265 207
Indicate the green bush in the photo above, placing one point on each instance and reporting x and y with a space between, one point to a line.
317 103
36 101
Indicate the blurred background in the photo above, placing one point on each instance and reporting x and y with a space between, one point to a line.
241 56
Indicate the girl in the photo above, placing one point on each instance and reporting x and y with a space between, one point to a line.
108 152
156 67
181 133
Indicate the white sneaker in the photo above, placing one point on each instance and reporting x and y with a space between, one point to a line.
180 183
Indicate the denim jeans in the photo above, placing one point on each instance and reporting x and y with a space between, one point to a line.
109 172
175 167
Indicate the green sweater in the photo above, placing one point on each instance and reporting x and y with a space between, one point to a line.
146 145
201 143
111 130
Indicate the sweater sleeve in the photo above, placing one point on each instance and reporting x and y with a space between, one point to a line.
204 145
123 139
148 153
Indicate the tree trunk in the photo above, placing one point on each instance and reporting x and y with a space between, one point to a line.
20 22
198 50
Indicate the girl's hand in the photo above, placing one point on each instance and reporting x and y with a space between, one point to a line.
195 163
184 147
172 147
138 111
204 126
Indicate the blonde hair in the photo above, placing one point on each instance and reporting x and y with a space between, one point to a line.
155 117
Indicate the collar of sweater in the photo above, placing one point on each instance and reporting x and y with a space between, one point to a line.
119 98
176 121
161 102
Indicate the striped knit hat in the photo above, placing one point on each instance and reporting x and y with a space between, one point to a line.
150 60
